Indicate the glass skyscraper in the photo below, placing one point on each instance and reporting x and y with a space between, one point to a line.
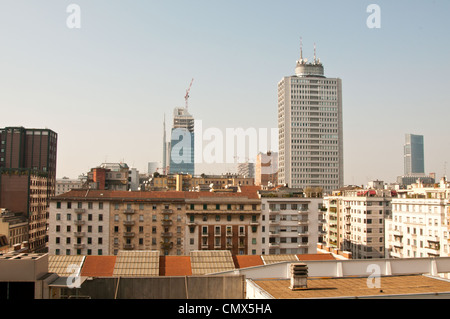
414 154
182 143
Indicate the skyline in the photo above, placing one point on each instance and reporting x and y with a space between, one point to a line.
104 88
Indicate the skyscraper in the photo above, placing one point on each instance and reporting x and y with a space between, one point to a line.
310 128
414 154
182 142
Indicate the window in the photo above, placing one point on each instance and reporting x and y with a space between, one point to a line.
100 205
89 217
80 205
90 205
141 206
100 229
192 206
58 228
218 206
100 217
58 216
205 206
58 205
69 205
69 217
57 240
217 218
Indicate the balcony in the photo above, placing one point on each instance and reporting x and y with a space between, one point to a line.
128 234
304 234
274 222
79 234
241 234
79 222
303 245
229 234
254 223
167 211
274 245
303 222
80 210
274 234
128 246
167 222
128 222
166 235
129 211
78 246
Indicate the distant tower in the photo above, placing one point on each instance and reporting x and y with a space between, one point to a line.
164 161
182 143
310 128
414 154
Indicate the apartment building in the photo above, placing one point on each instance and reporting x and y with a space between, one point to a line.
79 224
419 225
355 221
291 223
224 221
100 222
65 184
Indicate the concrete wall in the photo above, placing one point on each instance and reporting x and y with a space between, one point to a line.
201 287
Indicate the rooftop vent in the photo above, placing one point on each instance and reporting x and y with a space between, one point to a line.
299 276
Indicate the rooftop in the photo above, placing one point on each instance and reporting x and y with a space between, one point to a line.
356 287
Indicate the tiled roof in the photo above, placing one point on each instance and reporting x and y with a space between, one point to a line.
175 266
270 259
210 261
137 263
150 263
65 266
244 261
98 266
248 192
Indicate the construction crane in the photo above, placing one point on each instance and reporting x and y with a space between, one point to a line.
186 97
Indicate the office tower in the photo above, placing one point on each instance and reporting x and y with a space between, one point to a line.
414 154
310 128
182 143
28 177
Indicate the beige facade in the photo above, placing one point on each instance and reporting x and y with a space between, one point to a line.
173 223
355 221
218 223
14 226
419 225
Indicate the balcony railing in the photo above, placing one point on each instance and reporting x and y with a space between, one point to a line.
129 211
128 222
79 234
80 210
128 234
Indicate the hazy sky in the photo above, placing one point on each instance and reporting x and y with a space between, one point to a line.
105 87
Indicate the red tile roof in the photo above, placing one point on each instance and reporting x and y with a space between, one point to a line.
98 266
244 261
175 266
248 192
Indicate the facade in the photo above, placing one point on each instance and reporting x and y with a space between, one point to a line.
79 226
96 222
182 143
223 222
355 221
310 128
266 169
28 177
419 225
14 226
291 223
65 184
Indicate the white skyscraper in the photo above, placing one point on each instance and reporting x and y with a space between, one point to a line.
310 128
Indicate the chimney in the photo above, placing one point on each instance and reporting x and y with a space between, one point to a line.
299 276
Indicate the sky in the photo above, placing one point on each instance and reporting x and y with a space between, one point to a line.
106 86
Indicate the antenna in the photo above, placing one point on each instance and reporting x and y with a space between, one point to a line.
186 97
301 48
314 53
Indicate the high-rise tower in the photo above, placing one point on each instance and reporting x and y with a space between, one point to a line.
414 154
182 142
310 128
